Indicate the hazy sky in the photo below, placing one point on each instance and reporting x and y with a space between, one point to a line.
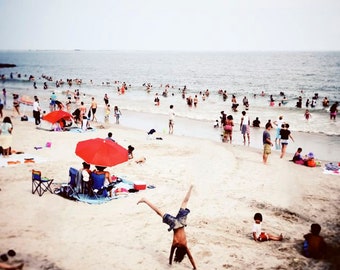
192 25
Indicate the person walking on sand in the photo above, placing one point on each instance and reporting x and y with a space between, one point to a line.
171 119
244 127
36 111
267 143
285 134
117 114
278 123
93 108
82 109
259 235
107 113
177 224
1 108
106 99
228 129
4 95
16 104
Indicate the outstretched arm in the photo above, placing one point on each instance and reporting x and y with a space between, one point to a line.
152 206
291 137
191 259
171 254
186 198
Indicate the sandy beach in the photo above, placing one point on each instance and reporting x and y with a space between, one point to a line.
230 183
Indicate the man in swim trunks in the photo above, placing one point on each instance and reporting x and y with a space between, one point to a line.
267 143
177 224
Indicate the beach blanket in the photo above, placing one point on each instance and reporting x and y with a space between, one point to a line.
121 189
91 200
332 168
19 159
80 130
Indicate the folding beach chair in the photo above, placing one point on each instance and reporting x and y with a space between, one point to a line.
98 189
70 189
76 183
72 179
40 184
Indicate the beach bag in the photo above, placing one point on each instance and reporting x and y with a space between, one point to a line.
65 191
24 118
305 249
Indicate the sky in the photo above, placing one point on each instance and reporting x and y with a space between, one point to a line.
185 25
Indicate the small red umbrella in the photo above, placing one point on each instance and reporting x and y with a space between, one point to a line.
101 152
56 116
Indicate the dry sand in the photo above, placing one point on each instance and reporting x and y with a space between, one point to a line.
230 184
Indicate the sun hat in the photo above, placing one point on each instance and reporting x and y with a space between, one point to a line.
310 155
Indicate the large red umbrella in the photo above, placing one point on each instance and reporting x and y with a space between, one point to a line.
101 152
56 116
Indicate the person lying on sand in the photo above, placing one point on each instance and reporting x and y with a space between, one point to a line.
177 224
140 160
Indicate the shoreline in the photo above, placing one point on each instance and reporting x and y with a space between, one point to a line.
324 147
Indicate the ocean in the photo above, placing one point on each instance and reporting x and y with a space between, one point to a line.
243 74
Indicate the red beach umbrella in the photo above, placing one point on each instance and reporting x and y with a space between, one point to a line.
56 116
101 152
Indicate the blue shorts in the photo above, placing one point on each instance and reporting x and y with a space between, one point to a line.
244 129
176 222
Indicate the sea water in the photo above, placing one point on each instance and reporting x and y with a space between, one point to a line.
243 74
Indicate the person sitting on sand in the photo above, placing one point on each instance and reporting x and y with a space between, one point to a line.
310 161
177 224
83 179
259 235
109 137
99 171
314 245
297 158
130 151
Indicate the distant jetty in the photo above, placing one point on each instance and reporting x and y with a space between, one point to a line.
7 65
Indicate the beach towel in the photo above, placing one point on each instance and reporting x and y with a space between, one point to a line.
122 188
80 130
332 168
19 159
